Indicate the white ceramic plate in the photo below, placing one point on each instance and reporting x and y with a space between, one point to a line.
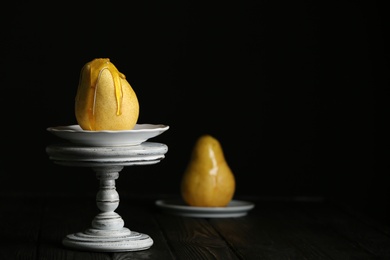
235 208
139 134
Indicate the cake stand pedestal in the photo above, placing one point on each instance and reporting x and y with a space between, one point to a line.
107 232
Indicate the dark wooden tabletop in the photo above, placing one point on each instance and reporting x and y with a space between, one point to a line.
33 228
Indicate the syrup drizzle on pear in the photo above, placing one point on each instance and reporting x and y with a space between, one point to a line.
97 66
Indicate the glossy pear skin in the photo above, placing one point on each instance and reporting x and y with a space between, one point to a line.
208 180
105 100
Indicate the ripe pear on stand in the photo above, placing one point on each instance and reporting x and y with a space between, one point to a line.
105 100
208 180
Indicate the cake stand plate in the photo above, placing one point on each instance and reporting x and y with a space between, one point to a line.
107 232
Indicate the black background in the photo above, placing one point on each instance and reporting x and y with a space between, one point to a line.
295 91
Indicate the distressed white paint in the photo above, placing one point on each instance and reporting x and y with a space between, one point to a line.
107 232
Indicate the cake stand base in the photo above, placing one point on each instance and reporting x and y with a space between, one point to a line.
116 243
107 232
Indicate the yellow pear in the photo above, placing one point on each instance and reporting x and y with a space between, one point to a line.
208 180
104 99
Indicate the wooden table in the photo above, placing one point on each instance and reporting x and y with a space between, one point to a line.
32 227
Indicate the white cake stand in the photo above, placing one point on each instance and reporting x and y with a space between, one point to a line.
107 232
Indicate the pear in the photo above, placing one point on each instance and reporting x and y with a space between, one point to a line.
208 180
105 100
